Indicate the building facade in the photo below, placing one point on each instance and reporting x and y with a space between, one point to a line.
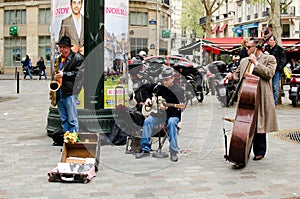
149 26
26 30
241 18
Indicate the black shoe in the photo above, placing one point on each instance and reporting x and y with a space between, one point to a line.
174 157
142 154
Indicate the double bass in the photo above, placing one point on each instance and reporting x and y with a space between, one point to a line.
246 115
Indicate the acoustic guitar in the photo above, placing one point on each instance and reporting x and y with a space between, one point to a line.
156 104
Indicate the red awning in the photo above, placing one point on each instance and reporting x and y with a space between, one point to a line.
226 43
223 27
233 45
215 29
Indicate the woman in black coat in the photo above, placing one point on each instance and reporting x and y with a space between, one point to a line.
42 68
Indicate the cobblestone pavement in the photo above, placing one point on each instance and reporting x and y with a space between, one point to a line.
27 155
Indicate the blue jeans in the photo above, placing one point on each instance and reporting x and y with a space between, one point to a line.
42 73
276 85
150 122
27 73
68 113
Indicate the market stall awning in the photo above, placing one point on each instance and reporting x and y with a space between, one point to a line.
232 45
223 27
226 43
214 30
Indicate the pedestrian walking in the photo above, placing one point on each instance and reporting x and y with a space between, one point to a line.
26 67
42 68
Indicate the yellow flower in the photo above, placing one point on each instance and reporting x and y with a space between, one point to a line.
71 137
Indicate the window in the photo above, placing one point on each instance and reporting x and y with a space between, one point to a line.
44 16
286 30
248 10
163 22
14 17
138 18
44 47
255 8
239 12
183 32
138 44
14 50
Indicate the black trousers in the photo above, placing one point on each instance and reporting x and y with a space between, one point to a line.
259 144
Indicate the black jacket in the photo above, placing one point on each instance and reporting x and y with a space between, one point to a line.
279 54
173 94
41 65
72 75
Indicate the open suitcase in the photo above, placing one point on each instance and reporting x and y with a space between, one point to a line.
79 161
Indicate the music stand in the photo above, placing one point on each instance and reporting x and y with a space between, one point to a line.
158 153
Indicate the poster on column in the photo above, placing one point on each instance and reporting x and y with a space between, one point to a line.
115 53
68 19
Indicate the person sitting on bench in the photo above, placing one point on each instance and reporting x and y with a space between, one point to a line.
166 113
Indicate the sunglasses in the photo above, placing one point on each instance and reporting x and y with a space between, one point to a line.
248 47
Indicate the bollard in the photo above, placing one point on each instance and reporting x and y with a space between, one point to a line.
16 71
18 81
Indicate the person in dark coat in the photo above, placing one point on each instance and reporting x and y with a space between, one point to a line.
278 52
42 68
26 67
71 69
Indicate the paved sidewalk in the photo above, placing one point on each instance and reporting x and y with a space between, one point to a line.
27 155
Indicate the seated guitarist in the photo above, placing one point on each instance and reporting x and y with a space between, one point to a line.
171 93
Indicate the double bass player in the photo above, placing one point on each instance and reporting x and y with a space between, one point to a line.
263 66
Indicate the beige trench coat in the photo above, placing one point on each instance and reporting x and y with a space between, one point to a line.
265 69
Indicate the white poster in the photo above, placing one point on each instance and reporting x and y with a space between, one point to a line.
68 19
115 50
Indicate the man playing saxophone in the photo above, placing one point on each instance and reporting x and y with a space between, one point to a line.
70 80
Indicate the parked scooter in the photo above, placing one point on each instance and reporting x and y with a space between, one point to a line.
192 81
294 90
204 74
141 74
223 87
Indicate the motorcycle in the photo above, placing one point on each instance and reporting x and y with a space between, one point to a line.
294 90
205 75
223 87
191 79
141 74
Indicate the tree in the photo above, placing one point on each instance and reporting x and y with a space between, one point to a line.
275 16
210 7
190 17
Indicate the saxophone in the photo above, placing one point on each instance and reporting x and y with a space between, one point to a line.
55 84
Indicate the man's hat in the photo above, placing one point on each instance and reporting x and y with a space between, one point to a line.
167 72
65 40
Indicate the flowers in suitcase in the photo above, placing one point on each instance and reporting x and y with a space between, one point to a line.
71 137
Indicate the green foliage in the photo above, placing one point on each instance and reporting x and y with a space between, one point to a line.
192 11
